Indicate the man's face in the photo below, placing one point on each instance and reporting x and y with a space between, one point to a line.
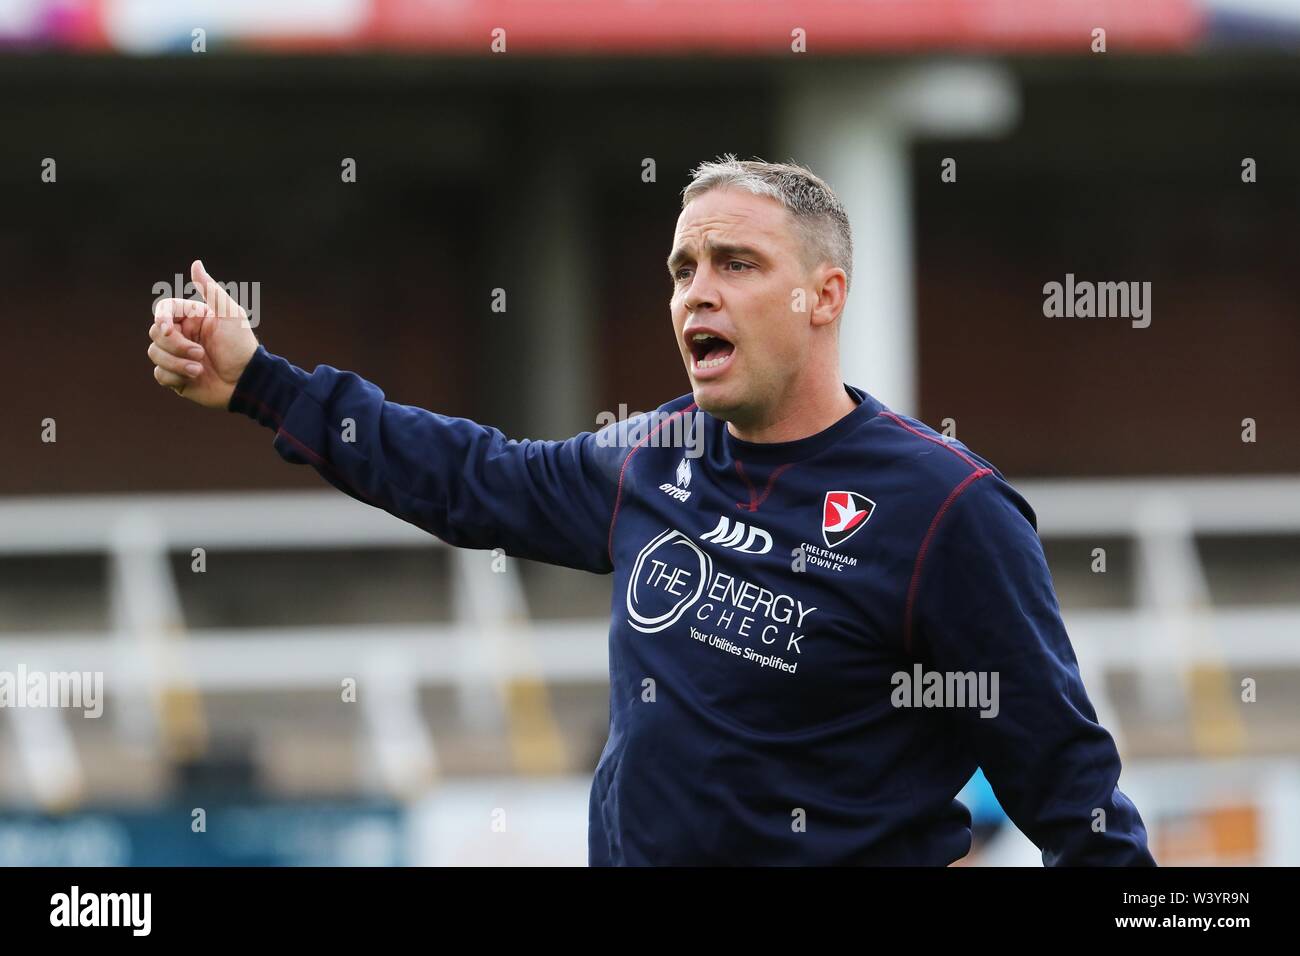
735 262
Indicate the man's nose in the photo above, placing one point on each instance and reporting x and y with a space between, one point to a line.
703 292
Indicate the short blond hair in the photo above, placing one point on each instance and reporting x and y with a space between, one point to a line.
816 209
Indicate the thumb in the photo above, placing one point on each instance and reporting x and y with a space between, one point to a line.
217 298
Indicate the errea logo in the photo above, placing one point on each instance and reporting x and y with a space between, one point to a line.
679 491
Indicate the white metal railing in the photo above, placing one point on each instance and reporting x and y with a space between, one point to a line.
153 656
1245 505
160 666
1174 638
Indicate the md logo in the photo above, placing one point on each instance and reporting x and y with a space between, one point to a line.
735 535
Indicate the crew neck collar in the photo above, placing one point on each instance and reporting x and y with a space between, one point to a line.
800 448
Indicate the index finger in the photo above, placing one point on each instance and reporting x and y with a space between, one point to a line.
179 309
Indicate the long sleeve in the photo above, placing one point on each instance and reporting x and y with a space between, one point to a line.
463 482
985 603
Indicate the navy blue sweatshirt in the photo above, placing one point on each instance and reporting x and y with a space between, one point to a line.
812 645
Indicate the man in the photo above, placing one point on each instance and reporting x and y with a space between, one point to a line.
826 616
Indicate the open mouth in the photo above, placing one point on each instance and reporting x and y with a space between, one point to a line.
709 351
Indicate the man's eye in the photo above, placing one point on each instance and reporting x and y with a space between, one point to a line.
680 274
737 262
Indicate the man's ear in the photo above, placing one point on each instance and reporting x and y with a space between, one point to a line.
830 290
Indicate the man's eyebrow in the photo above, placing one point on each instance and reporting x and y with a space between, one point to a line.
682 254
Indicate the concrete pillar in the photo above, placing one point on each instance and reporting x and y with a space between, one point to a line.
852 124
541 253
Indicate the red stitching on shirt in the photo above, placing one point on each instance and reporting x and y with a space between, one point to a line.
307 450
755 499
776 473
245 396
618 495
747 505
327 465
937 441
915 584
